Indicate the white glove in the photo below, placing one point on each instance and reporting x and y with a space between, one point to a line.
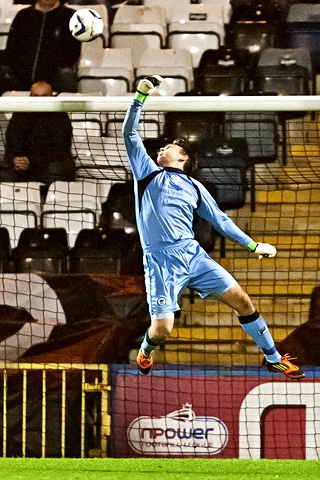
265 250
148 85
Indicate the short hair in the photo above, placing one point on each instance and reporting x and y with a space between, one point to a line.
191 165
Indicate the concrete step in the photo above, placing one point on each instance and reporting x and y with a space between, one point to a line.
274 272
277 212
304 196
273 264
215 334
205 356
213 345
239 354
287 245
286 311
299 173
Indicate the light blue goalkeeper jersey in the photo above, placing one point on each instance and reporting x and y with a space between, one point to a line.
166 198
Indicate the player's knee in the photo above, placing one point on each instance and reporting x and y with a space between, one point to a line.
162 326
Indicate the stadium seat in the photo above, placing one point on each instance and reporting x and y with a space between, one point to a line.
138 27
5 250
93 143
73 206
222 72
223 9
222 168
4 120
41 250
20 207
196 29
119 223
107 173
118 209
285 71
169 6
254 26
8 11
175 66
193 126
91 53
95 252
107 71
260 130
303 29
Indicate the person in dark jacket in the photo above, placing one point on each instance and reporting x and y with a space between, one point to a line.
38 144
41 47
305 338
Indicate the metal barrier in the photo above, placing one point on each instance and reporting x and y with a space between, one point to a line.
98 383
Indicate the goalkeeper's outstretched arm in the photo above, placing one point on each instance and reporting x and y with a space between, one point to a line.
140 162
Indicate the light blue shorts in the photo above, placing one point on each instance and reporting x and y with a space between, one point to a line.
168 272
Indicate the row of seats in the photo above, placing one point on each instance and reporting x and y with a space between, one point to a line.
221 71
157 21
101 157
86 227
96 251
205 131
70 205
115 71
136 47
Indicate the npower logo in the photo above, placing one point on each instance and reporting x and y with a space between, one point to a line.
178 433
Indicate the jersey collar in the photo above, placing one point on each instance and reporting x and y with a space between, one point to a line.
174 169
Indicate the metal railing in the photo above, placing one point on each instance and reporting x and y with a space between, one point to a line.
98 384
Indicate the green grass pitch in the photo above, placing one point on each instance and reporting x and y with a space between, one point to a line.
157 469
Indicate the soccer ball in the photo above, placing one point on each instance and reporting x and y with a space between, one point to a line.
86 24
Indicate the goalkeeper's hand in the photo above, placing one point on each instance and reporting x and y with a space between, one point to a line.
265 250
147 86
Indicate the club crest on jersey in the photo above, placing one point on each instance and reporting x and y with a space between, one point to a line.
161 301
175 182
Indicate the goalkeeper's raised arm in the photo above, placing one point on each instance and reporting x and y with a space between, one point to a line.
140 162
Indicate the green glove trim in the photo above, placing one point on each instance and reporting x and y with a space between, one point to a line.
252 246
140 96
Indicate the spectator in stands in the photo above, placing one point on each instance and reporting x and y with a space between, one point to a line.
38 144
166 199
305 338
40 47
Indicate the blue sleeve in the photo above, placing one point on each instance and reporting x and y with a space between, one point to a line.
140 162
209 210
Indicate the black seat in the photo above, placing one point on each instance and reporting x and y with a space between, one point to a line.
5 250
223 166
41 250
222 72
254 27
222 169
285 71
119 222
193 126
95 252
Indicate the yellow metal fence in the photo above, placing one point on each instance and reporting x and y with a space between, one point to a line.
92 379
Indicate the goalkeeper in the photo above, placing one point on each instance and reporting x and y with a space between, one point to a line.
166 198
